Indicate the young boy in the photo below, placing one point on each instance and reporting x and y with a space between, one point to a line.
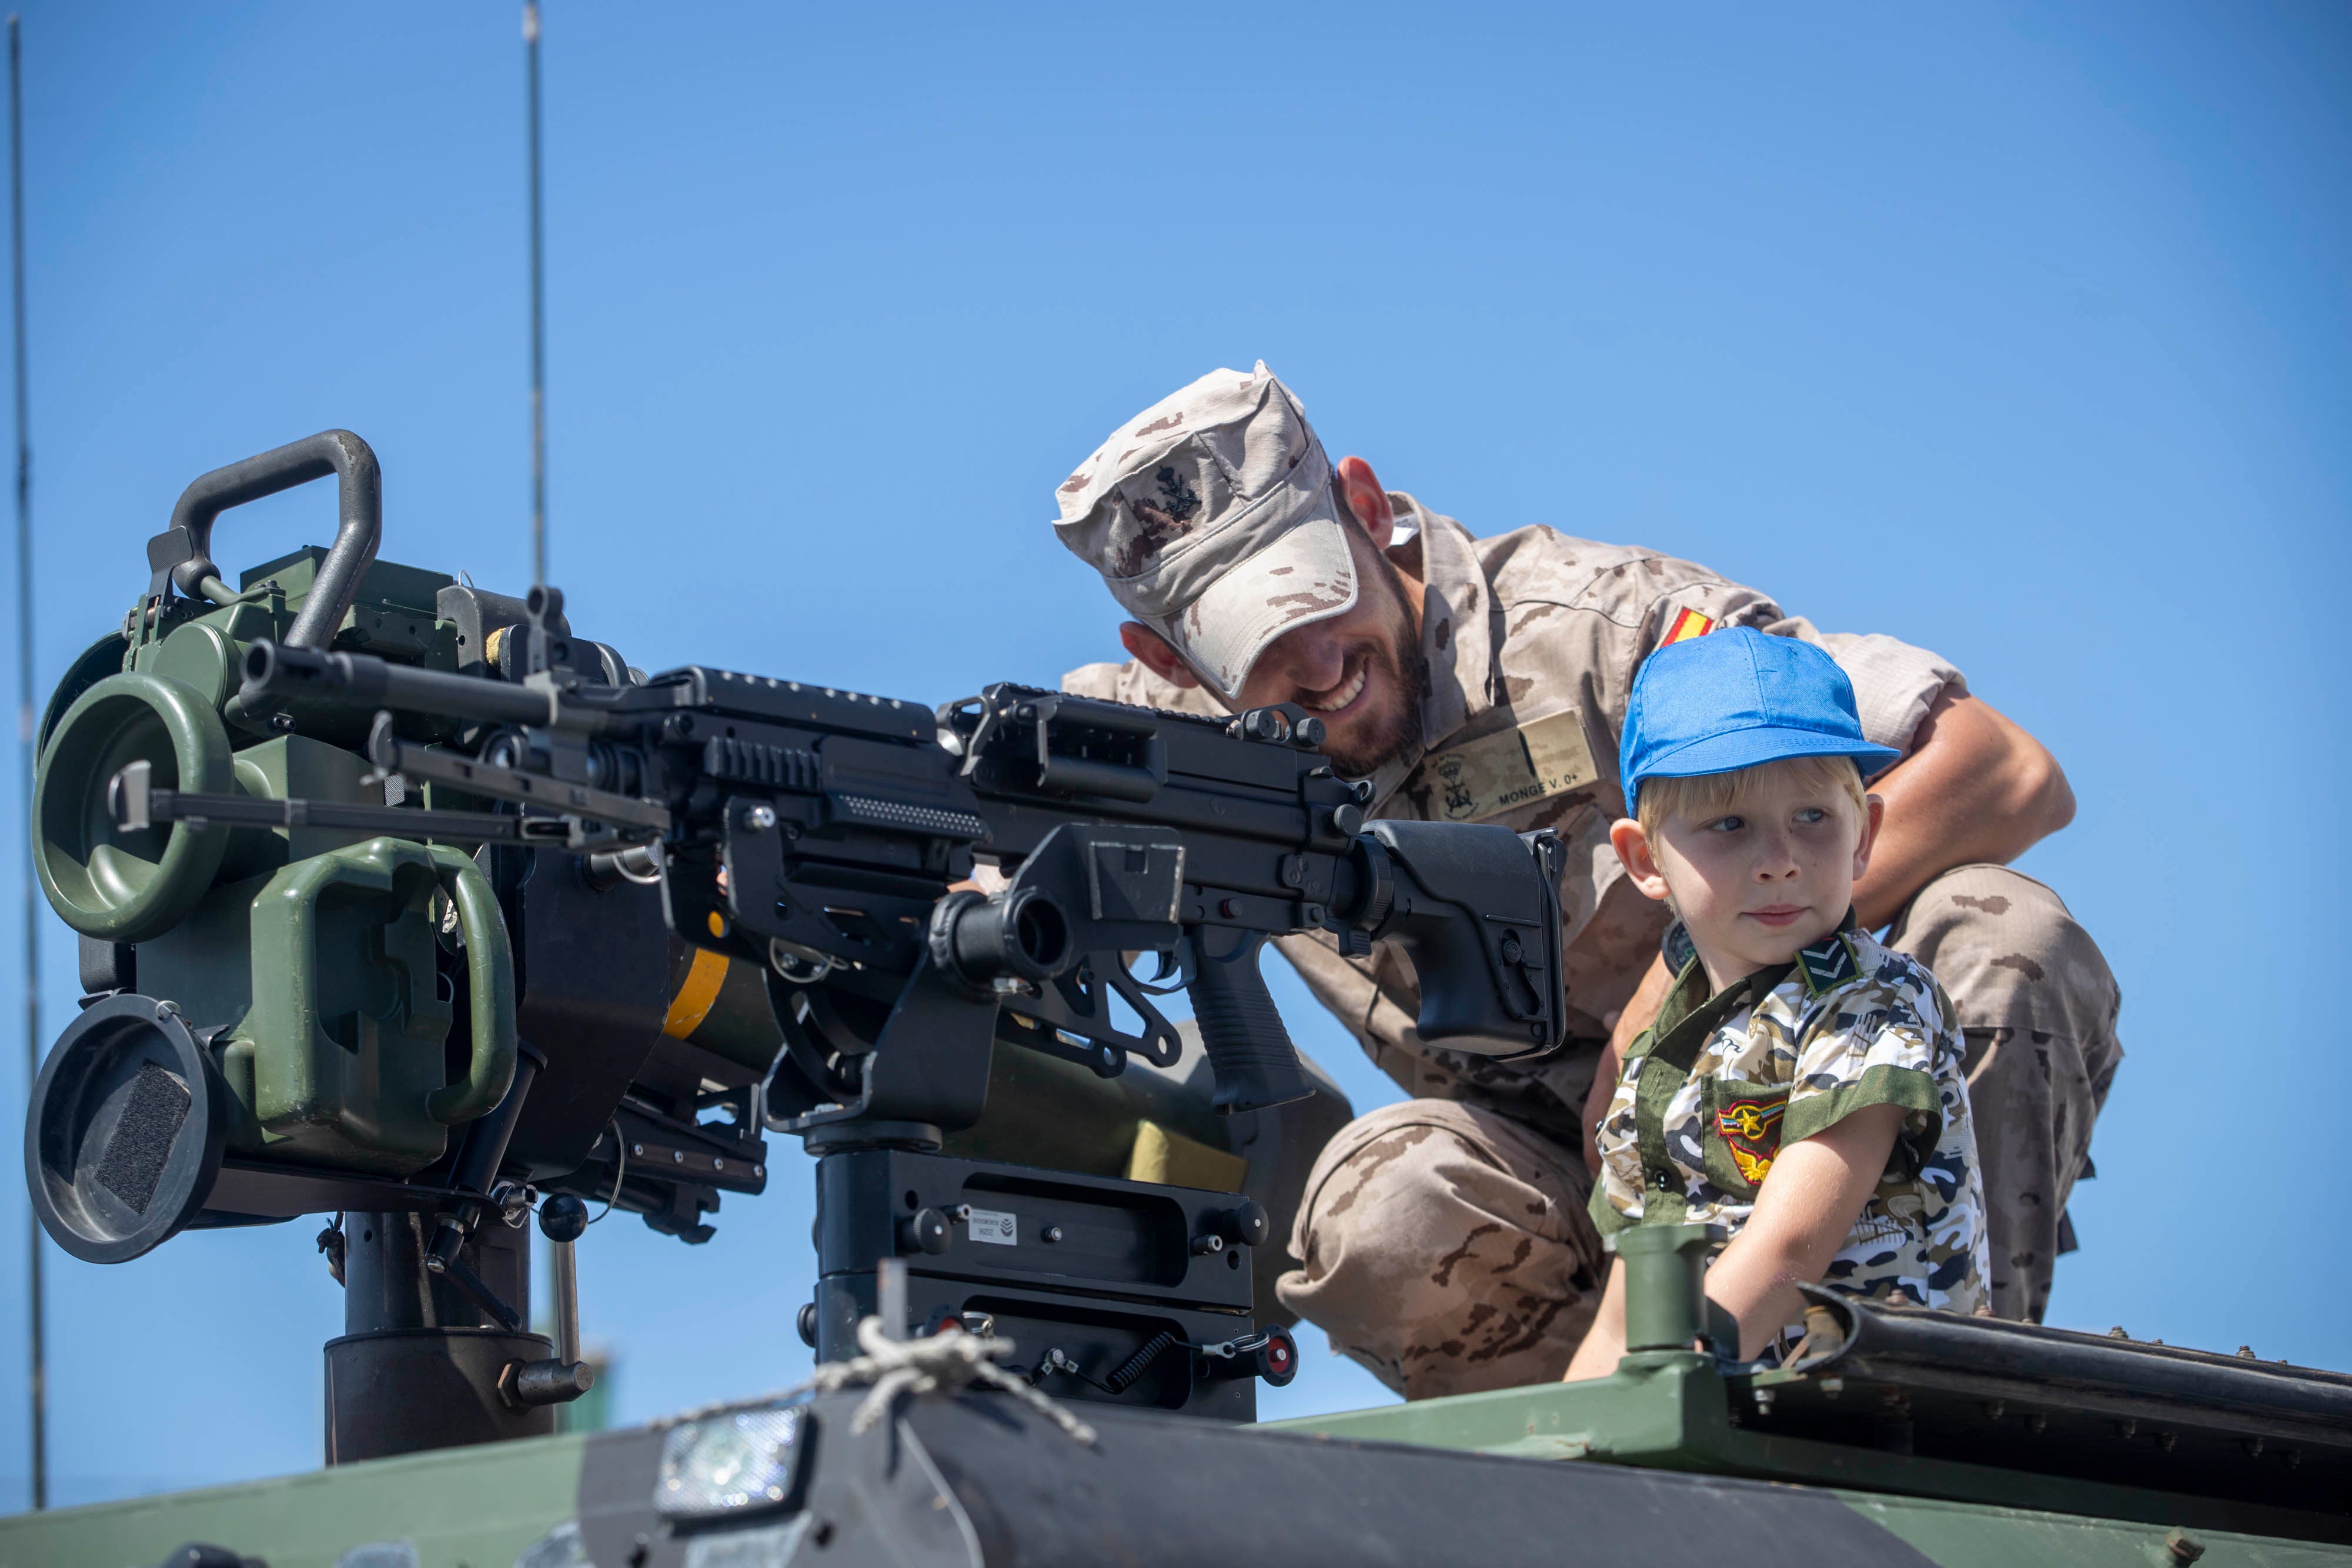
1801 1087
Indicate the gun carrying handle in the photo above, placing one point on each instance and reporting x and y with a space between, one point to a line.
1255 1063
181 555
489 969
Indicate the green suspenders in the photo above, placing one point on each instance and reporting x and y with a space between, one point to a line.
1666 1067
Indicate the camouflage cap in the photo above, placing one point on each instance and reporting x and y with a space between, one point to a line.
1210 517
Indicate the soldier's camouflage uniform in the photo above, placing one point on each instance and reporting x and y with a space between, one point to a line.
1852 1025
1445 1242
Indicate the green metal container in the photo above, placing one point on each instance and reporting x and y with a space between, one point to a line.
341 1060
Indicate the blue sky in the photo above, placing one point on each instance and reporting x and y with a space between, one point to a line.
2017 332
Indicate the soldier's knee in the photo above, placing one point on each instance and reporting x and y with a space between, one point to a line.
2008 952
1447 1249
1383 1175
1972 899
1398 1189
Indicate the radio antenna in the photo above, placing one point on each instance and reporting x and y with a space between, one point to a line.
538 316
40 1394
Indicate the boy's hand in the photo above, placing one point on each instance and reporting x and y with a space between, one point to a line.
1803 1213
1604 1342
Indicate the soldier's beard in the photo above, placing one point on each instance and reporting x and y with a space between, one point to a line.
1395 665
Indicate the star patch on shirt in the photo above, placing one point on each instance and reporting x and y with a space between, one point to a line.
1751 1131
1686 625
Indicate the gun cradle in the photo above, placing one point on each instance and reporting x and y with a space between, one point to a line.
446 908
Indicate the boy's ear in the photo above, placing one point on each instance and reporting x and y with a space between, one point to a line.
1632 846
1871 822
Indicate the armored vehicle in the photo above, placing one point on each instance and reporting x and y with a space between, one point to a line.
401 903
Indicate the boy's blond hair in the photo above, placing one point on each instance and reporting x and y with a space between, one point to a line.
1713 794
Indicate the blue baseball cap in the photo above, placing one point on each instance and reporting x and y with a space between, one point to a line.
1737 698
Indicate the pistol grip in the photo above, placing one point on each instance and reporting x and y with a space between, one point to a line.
1255 1063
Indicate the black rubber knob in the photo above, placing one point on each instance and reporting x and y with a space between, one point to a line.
563 1217
1278 1358
925 1231
806 1324
1266 724
1246 1223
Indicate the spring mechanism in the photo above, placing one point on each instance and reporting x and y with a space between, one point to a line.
1136 1365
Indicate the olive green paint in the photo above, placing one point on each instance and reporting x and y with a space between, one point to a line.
113 885
460 1508
346 1036
1672 1410
1042 1111
1966 1535
1664 1307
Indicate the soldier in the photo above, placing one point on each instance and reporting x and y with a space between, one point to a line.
1444 1241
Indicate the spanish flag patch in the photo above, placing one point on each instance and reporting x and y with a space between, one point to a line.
1687 624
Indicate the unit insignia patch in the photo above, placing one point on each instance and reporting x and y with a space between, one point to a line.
1751 1130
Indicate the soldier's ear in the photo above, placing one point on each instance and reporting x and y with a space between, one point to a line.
1632 847
1361 488
1153 650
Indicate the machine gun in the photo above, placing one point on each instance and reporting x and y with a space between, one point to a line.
819 832
248 803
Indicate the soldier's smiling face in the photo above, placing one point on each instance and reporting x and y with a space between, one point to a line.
1757 876
1362 671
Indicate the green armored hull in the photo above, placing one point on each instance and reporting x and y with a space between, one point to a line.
1918 1439
1901 1435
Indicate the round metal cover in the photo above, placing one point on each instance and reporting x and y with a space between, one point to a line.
123 1141
121 885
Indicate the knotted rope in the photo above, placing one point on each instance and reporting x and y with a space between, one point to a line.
944 1362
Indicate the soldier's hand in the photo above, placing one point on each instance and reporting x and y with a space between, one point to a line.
984 879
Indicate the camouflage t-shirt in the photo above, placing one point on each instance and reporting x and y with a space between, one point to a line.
1854 1024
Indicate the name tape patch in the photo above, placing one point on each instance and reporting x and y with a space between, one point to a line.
1498 773
995 1225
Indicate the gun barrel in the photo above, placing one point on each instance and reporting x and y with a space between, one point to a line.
277 673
